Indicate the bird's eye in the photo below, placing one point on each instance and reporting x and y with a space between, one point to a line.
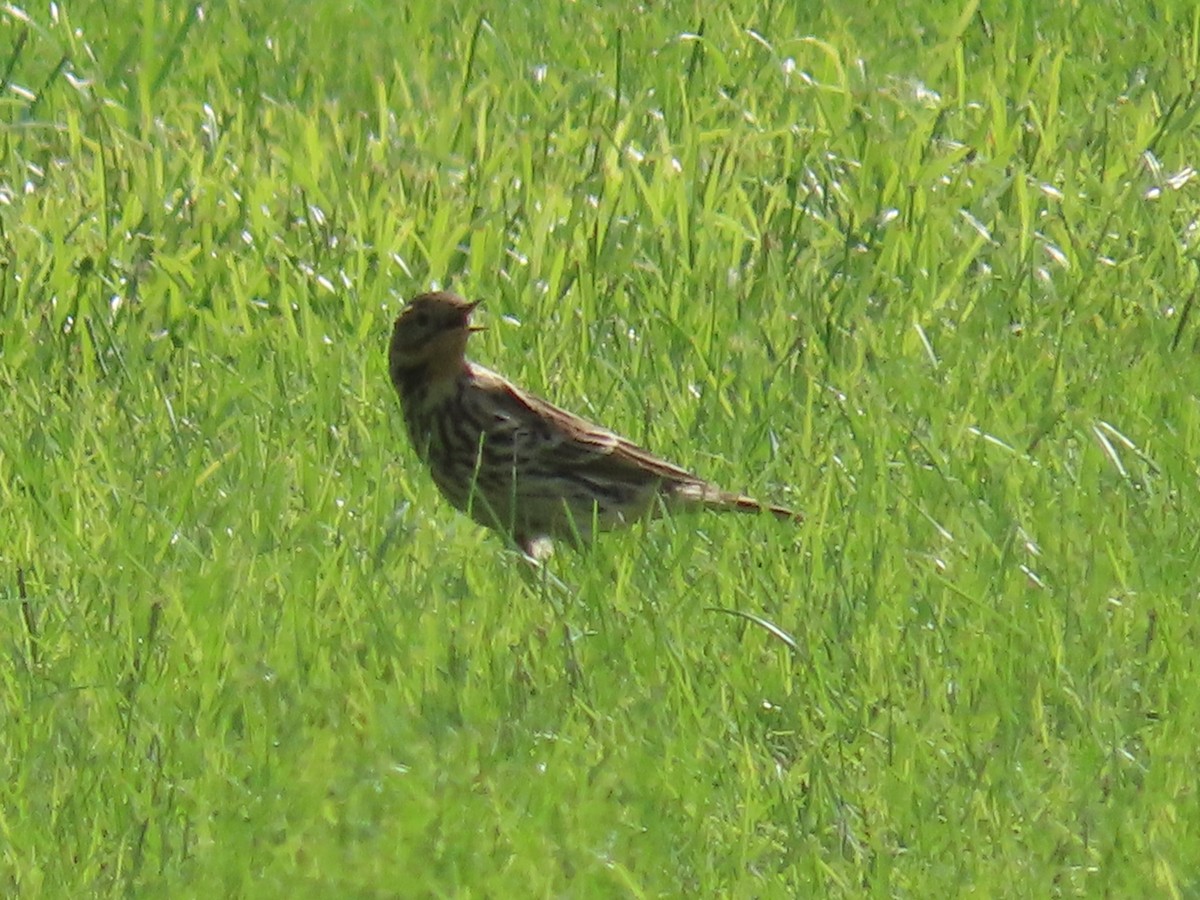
421 319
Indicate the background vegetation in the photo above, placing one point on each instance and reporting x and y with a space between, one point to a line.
926 272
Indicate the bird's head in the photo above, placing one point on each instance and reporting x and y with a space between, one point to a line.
431 333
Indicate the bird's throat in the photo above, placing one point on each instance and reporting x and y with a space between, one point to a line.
427 384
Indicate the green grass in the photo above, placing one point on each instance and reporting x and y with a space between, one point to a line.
928 274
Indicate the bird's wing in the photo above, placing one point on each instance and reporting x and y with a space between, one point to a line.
540 432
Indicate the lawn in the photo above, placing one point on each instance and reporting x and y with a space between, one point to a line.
927 273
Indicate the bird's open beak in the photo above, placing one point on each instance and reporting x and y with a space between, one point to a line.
471 309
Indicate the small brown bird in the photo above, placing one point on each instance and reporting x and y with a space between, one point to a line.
514 462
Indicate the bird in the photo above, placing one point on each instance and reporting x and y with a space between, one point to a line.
517 463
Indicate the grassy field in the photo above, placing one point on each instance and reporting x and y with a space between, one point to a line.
928 274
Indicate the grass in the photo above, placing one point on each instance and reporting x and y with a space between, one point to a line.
929 275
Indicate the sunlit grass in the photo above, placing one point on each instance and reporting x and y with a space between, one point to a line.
930 278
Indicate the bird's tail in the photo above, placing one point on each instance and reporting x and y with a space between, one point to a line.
715 498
